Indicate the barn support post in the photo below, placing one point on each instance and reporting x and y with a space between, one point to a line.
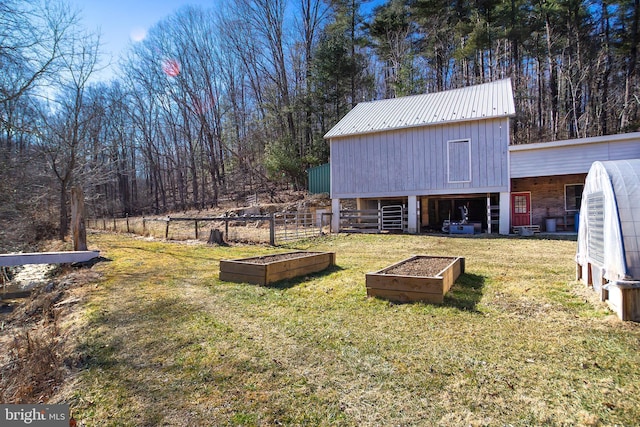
505 212
412 214
335 215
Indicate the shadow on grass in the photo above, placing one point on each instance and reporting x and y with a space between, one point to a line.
290 283
465 293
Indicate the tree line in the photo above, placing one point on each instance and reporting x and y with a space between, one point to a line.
235 98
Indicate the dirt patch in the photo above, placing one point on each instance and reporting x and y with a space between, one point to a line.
421 266
38 357
279 257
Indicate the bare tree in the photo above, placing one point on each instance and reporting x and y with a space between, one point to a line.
68 121
32 38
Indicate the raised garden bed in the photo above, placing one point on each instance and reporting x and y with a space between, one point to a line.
268 269
419 278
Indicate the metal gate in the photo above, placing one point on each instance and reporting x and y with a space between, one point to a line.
394 217
290 226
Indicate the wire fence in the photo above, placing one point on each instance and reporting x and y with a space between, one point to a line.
271 229
291 226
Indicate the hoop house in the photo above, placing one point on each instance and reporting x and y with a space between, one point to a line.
608 254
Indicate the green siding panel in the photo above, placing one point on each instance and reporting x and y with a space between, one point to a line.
320 179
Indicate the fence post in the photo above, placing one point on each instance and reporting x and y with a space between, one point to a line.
226 224
128 230
144 226
166 229
196 221
284 224
272 230
115 226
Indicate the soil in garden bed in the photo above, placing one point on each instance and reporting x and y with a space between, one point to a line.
421 266
266 259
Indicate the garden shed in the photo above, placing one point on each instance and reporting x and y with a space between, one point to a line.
608 254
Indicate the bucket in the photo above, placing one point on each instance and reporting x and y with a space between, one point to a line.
551 225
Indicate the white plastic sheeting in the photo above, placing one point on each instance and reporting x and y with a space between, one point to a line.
609 231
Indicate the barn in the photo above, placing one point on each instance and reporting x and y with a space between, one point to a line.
422 160
434 155
608 255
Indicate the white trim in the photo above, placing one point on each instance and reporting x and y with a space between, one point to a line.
468 141
577 141
421 192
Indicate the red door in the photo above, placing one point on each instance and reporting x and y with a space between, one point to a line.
520 209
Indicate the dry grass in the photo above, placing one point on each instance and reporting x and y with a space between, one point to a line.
34 361
517 341
238 231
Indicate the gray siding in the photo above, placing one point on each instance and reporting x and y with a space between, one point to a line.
414 161
568 159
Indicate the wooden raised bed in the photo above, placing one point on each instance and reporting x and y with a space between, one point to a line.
418 278
268 269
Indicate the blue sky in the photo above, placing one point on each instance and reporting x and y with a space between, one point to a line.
121 22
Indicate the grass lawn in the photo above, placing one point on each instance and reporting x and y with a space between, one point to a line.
517 342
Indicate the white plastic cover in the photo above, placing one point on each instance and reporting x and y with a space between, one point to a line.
619 183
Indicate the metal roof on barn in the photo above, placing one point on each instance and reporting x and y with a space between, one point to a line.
488 100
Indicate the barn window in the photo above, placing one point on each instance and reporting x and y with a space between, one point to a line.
459 160
572 196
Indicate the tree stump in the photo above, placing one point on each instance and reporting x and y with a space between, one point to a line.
216 237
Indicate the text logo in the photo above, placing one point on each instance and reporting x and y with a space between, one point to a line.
34 415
